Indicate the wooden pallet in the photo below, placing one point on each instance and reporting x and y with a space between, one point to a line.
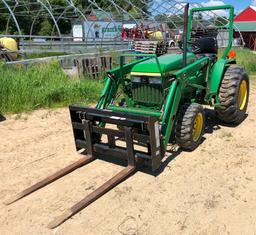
94 67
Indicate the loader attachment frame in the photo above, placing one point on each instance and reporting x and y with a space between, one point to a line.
137 130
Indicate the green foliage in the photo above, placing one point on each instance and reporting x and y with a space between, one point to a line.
45 28
244 57
42 86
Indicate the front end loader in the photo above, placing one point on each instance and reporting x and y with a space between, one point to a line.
152 102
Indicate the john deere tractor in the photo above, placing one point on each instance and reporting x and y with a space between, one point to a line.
151 102
163 99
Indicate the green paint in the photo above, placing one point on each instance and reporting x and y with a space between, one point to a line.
145 112
168 64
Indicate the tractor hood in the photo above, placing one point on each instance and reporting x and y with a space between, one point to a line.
168 64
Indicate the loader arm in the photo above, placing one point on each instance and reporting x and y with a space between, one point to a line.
175 94
113 80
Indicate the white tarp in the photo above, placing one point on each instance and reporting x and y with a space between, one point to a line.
77 32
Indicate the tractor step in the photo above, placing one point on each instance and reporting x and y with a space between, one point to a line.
93 196
81 162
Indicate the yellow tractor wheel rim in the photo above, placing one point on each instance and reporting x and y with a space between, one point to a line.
242 95
198 126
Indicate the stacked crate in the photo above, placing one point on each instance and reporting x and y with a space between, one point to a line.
151 47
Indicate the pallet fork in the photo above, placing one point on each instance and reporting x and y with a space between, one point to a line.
87 136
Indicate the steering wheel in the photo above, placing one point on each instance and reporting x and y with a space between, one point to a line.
194 46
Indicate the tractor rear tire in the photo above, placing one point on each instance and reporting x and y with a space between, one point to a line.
233 95
190 126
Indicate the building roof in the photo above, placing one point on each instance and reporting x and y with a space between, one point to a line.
247 15
245 26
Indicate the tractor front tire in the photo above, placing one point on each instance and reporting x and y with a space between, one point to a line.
190 126
233 95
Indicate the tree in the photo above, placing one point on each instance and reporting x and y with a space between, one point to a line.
44 25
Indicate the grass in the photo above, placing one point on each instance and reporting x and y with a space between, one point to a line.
42 86
246 58
46 86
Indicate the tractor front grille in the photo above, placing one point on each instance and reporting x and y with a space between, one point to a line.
147 94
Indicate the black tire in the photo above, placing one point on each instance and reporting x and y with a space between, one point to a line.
184 128
232 100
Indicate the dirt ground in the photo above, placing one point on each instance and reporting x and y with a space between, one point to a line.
208 191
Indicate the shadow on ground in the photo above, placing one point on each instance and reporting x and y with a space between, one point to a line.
212 124
2 118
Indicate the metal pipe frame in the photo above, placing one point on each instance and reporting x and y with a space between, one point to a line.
19 8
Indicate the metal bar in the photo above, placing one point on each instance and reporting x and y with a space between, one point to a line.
107 131
212 8
118 178
40 60
185 33
52 16
129 146
50 179
155 145
94 114
168 103
230 38
111 141
88 136
135 110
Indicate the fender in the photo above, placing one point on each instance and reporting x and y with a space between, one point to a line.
216 76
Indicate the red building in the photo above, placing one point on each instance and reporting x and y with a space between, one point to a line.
245 22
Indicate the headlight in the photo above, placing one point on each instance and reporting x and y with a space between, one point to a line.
147 80
136 79
153 80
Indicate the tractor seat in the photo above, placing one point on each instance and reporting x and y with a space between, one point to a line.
207 45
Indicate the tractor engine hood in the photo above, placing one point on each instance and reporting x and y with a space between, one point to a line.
168 64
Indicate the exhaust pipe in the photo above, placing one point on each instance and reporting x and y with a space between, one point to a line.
185 35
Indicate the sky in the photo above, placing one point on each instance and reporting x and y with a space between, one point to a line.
238 4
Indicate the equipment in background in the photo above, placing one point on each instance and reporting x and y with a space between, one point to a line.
151 47
8 49
152 102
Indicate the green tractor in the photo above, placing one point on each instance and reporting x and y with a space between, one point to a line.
159 100
152 102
